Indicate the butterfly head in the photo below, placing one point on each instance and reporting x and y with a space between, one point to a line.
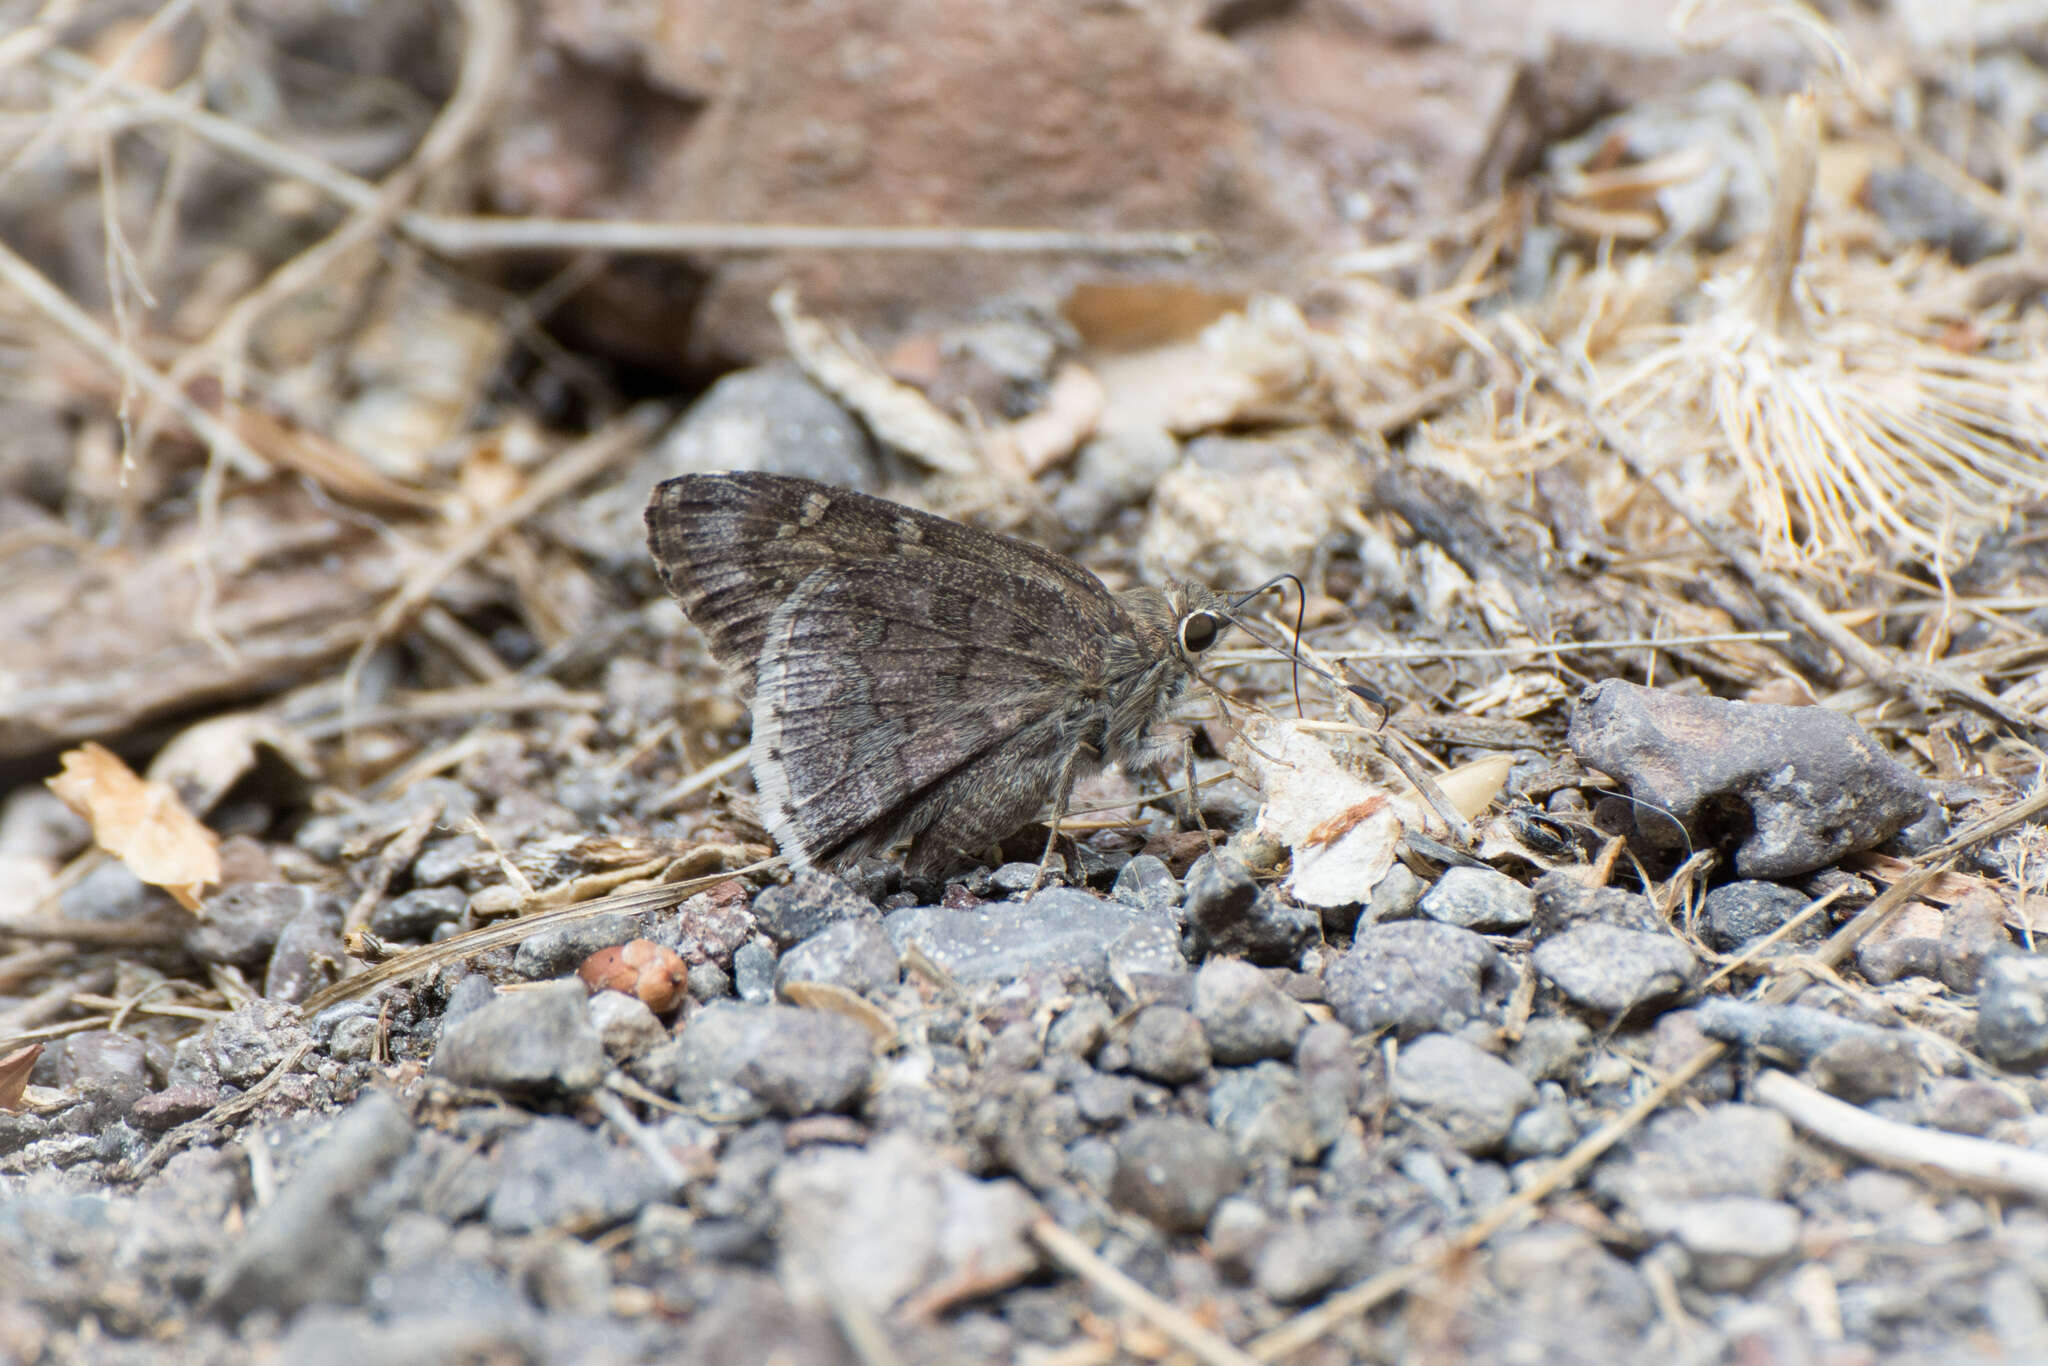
1200 617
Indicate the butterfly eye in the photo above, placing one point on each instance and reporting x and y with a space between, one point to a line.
1198 632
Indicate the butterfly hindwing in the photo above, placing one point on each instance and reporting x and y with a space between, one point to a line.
887 649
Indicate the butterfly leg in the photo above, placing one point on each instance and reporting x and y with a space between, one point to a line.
1069 771
1187 756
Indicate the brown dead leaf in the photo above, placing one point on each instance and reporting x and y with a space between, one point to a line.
1125 316
14 1070
139 822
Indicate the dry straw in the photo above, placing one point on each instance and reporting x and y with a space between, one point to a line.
1860 437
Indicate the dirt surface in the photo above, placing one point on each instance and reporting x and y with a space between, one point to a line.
393 962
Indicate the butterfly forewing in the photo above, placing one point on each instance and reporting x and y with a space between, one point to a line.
886 648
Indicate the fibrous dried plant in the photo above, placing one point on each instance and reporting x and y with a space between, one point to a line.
1864 434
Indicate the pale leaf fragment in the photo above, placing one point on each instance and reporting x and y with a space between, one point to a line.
1071 412
1341 829
140 822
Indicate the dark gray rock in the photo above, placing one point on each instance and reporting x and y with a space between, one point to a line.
1115 468
1811 783
1474 1096
316 1242
1397 896
1867 1067
1725 1149
1081 1028
1264 1110
855 954
1018 877
172 1106
537 1042
110 892
1229 913
1972 932
558 1174
1551 1048
1167 1044
1244 1015
1547 1130
101 1055
808 903
1614 970
1916 205
1737 912
1414 976
558 952
2012 1010
1102 1099
243 921
468 994
1847 1058
1479 899
1147 884
309 953
1964 1105
1562 901
795 1062
1146 964
244 1046
1173 1171
708 982
753 971
442 860
1330 1076
1060 933
418 913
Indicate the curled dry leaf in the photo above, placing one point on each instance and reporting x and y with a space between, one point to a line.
639 968
140 822
14 1073
897 414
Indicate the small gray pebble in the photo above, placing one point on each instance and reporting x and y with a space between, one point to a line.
1479 899
1173 1171
1612 970
1245 1016
2012 1010
536 1041
1147 884
1167 1044
753 971
854 954
1473 1095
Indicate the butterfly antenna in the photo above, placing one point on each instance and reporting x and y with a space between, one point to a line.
1300 615
1666 812
1364 692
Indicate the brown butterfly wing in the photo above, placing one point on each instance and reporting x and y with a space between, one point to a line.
886 648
